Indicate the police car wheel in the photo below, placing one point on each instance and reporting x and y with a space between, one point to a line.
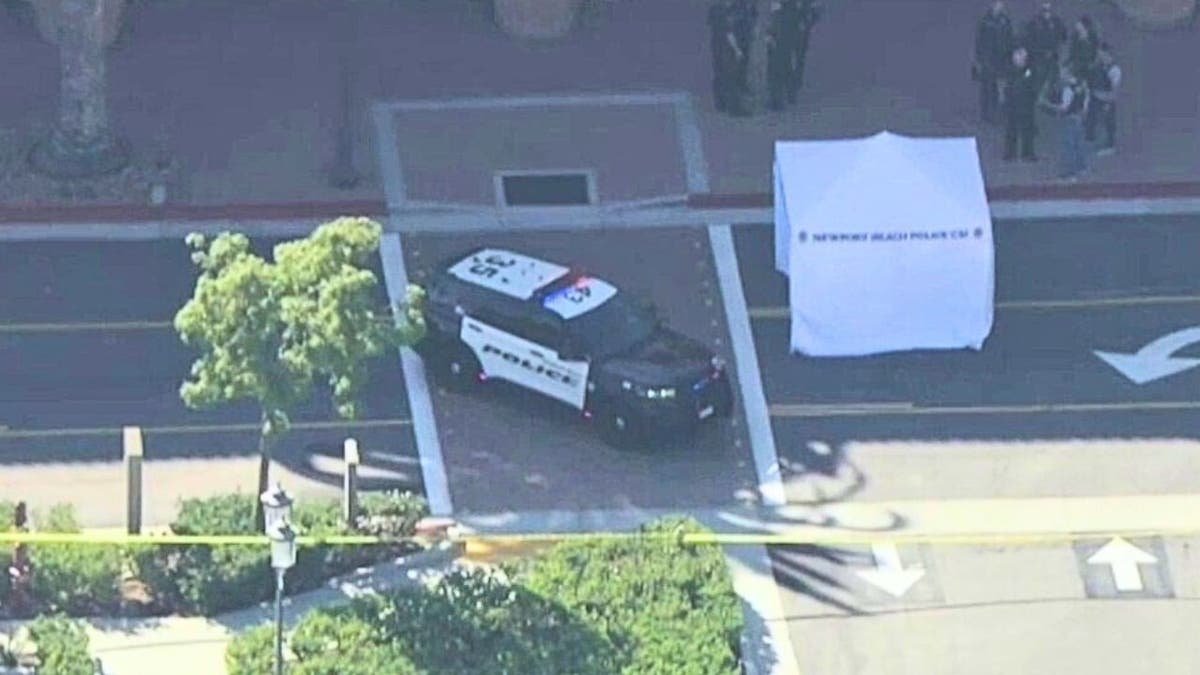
458 368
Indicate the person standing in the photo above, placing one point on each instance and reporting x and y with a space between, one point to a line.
994 42
804 16
726 55
1020 101
1103 81
1085 42
1071 106
1044 37
744 16
779 53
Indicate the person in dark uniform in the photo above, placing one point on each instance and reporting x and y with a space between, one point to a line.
994 43
779 56
1044 37
1020 101
1103 80
801 16
726 55
1085 42
744 15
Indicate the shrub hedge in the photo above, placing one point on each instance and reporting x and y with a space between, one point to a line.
639 606
62 647
87 579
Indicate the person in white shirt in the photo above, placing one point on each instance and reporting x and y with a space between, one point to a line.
1104 79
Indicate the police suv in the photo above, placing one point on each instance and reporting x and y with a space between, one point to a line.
496 314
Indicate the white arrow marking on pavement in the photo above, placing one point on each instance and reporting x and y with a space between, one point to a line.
1154 361
1124 558
889 573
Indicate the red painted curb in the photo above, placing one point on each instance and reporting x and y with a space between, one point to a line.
143 213
1017 193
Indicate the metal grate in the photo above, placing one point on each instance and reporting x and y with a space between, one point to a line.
546 188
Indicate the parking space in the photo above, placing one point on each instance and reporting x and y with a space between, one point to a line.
507 451
87 347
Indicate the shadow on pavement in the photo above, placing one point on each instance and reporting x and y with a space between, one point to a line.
383 466
811 570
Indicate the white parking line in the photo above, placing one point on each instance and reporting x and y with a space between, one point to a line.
750 566
429 447
720 237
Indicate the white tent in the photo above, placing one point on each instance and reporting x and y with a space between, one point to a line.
887 244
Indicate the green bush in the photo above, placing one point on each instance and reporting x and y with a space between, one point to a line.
331 644
6 520
469 622
73 578
62 647
637 607
214 579
665 606
391 513
252 652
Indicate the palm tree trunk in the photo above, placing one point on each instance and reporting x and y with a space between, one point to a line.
82 143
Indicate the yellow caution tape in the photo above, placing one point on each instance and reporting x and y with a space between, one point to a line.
182 539
830 537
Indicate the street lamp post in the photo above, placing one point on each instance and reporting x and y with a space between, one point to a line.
277 511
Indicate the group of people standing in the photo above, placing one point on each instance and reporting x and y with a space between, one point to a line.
731 27
1070 74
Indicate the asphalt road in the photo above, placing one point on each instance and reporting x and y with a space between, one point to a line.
1034 414
509 451
1039 356
64 394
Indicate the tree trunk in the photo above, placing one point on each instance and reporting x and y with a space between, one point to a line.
264 474
48 17
81 144
537 19
756 75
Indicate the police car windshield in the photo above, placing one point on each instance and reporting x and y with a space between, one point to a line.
614 327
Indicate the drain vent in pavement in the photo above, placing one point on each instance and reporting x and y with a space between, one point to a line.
546 188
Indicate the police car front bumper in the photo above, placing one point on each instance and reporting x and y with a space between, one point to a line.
703 400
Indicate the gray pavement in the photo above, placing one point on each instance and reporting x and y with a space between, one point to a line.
1036 378
1033 415
506 450
902 66
66 389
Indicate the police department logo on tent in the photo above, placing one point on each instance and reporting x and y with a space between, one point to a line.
913 235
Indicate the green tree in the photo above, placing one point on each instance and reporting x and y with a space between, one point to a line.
269 331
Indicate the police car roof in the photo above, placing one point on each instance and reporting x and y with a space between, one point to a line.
513 274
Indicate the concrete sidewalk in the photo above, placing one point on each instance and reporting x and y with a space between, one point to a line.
900 66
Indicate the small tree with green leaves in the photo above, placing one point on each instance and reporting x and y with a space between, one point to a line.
269 331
